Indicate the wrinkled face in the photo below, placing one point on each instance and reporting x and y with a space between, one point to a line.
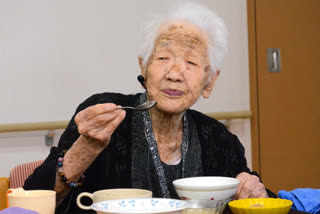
177 72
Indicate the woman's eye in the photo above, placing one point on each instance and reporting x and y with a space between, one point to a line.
192 63
163 58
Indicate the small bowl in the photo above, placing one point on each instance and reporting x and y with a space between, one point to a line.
206 188
141 205
206 194
260 206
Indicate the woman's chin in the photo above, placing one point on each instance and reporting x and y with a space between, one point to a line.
171 108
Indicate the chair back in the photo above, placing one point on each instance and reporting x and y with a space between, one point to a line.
4 186
20 173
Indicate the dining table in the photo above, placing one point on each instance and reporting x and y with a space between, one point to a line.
292 211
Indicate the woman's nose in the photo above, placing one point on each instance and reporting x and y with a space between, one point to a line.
175 72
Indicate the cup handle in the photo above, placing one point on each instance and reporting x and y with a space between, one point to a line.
79 202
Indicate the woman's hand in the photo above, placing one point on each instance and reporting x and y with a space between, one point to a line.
97 123
250 187
95 126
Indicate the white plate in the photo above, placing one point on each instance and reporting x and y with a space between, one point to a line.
140 205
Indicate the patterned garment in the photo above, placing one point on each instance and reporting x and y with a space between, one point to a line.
148 171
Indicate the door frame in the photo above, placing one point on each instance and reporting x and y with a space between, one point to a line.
253 83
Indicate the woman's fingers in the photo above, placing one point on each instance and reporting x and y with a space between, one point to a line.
96 123
93 111
99 121
260 192
109 129
250 187
243 178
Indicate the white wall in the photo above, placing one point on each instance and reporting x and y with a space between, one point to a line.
54 54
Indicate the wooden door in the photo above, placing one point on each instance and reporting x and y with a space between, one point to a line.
286 104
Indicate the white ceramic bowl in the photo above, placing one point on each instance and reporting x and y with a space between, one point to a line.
206 188
206 194
141 205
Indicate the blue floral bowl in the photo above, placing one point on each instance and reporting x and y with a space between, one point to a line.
141 205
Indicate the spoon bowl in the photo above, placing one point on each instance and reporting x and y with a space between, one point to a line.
142 107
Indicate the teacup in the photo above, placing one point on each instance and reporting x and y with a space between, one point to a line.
112 194
41 201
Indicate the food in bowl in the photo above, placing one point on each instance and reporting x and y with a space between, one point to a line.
141 205
207 194
260 206
256 205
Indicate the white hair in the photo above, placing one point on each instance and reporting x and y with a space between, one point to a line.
197 15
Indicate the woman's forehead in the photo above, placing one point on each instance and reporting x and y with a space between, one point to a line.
181 38
183 27
183 35
181 42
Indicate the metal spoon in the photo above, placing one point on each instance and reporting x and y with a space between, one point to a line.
142 107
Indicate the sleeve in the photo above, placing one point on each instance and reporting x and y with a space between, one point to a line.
237 163
44 176
230 154
235 157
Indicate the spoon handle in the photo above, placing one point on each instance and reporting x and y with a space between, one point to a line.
126 107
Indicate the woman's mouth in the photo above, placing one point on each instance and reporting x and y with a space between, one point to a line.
172 92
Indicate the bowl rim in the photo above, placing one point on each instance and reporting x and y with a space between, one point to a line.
184 205
234 204
188 187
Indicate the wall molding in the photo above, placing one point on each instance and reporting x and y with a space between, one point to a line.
52 125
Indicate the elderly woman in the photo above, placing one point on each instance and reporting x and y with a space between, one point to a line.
105 147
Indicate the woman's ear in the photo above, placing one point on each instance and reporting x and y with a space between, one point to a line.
141 65
206 92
